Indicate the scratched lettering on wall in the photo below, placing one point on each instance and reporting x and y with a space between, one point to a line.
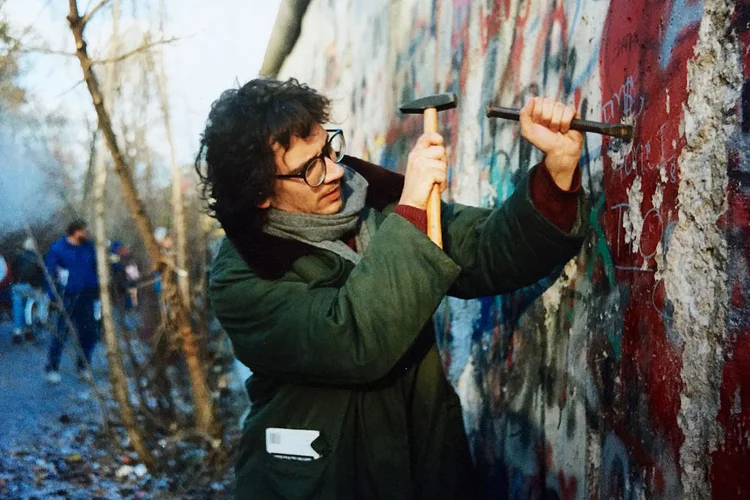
572 386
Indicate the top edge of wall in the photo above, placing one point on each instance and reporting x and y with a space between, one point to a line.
284 35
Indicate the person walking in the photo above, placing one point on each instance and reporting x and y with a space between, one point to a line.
71 262
28 277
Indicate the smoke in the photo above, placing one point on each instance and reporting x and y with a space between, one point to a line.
28 194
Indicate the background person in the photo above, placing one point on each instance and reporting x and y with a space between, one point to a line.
71 261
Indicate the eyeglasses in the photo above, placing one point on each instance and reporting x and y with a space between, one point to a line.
314 171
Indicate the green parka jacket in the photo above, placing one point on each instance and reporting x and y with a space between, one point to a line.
349 351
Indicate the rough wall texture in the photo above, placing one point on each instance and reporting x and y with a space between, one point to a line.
627 373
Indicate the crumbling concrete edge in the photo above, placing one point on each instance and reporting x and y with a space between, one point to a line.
695 275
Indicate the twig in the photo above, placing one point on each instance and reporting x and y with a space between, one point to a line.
71 89
194 435
44 50
141 48
87 17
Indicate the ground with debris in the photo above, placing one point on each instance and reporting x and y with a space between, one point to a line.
52 444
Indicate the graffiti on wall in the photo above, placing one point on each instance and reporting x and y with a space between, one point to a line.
571 387
729 478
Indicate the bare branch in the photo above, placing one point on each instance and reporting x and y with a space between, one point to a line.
71 89
141 48
43 50
87 17
74 19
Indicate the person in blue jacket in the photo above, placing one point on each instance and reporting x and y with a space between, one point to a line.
71 264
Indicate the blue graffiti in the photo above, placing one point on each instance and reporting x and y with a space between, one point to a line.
591 66
682 16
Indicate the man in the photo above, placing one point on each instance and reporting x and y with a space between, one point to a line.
71 262
28 276
327 282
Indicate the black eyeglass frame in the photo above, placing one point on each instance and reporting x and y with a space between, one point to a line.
302 174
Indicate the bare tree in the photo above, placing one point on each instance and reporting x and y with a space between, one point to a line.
178 204
117 376
177 308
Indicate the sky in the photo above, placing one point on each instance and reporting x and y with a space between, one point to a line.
222 42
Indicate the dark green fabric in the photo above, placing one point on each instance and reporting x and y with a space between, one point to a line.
349 351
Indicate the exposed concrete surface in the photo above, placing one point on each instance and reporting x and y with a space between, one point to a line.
695 278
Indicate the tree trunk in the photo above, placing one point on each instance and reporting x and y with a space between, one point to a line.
88 180
178 206
117 377
203 403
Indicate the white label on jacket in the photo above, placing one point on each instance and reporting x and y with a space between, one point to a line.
294 442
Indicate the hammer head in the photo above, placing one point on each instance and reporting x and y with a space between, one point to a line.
437 101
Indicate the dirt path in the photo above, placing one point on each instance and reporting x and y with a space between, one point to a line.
29 406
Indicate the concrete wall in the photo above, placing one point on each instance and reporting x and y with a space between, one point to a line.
629 375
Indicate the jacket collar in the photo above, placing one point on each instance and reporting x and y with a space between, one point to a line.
271 257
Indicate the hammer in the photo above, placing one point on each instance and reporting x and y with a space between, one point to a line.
429 107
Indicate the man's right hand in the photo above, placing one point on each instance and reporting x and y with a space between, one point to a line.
427 166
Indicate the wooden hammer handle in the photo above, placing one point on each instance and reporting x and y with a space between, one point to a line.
434 225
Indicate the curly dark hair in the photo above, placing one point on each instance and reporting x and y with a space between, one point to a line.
236 145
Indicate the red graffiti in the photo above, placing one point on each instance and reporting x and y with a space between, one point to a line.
729 472
568 487
638 86
729 477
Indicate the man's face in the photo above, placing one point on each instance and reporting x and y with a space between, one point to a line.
295 195
79 236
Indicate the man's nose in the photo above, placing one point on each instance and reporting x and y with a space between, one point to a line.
334 171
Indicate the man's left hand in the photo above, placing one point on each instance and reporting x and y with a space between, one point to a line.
546 124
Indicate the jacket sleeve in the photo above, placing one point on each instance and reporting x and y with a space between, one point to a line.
501 250
355 334
94 271
51 263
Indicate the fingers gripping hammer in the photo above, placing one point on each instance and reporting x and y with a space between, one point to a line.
429 107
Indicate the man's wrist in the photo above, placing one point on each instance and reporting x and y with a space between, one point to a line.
563 180
562 170
412 204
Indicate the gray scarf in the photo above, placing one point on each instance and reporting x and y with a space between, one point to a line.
326 231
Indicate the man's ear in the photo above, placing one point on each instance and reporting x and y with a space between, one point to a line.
265 204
